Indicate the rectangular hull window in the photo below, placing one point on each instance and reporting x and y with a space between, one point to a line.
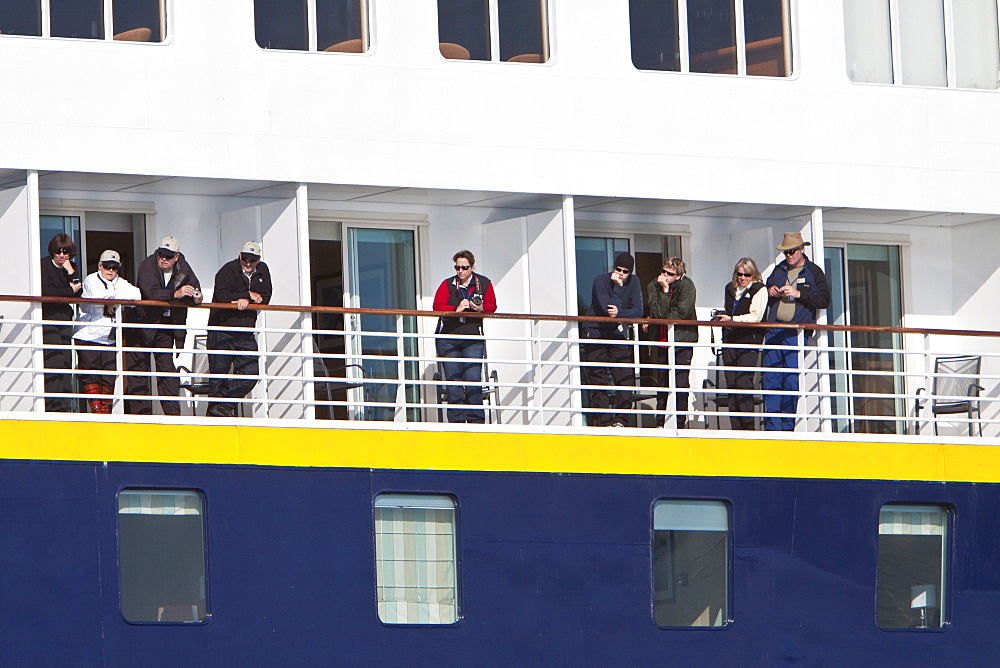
508 30
912 546
161 552
137 21
83 19
690 563
744 37
20 17
415 564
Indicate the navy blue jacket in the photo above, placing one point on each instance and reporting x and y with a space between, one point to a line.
627 297
814 289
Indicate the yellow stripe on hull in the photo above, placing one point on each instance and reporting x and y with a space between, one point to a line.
415 449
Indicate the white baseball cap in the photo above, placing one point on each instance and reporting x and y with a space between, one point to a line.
110 256
251 247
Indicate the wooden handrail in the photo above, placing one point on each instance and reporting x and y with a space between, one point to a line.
286 308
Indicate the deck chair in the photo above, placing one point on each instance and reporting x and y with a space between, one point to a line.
197 382
956 376
716 393
491 394
325 384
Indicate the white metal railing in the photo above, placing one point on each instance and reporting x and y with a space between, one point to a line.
390 375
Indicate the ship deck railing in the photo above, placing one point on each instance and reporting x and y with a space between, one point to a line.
387 372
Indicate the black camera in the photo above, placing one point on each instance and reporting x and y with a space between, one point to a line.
716 312
476 299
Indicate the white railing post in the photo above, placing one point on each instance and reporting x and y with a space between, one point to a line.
399 414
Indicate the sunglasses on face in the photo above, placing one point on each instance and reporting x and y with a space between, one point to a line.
165 255
742 275
623 271
111 266
793 251
64 251
668 272
462 267
247 257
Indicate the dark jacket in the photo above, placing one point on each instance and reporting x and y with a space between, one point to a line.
449 295
55 283
231 285
814 289
149 280
746 335
605 292
677 304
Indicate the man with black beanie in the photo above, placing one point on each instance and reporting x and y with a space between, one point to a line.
617 295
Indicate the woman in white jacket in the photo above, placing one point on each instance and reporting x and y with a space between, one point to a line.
95 336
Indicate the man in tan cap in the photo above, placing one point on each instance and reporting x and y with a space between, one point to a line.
167 277
243 281
796 290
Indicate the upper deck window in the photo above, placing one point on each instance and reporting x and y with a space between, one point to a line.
945 43
745 37
127 20
507 30
336 26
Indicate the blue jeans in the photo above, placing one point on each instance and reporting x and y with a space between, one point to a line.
781 388
470 372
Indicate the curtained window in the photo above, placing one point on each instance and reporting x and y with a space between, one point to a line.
912 549
690 563
161 554
415 563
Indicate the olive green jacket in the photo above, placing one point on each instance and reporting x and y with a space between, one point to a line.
678 304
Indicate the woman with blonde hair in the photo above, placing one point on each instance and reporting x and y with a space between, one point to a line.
746 301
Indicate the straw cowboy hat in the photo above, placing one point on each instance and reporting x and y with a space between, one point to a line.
791 240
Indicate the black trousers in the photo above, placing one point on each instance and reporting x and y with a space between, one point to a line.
57 383
682 380
740 380
166 386
244 361
95 358
619 377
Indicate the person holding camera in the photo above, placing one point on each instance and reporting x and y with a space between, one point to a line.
163 276
746 301
672 296
59 279
469 292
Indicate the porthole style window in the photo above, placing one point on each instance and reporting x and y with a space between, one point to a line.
744 37
496 30
120 20
161 555
334 26
912 567
415 562
690 563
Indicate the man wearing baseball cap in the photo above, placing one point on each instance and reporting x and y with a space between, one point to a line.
243 281
796 290
164 276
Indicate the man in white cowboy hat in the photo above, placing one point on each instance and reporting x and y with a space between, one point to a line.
243 281
796 290
164 276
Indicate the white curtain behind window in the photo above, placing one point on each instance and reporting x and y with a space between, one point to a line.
869 47
921 40
977 58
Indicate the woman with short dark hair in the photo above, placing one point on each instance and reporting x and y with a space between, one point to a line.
59 279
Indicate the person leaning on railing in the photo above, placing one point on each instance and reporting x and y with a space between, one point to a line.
745 301
243 281
96 329
466 291
617 295
796 290
59 279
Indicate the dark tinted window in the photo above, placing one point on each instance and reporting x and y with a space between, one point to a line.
281 24
76 18
20 17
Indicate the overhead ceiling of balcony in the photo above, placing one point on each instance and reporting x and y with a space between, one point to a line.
83 182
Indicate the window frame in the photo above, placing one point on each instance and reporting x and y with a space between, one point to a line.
493 16
108 24
456 556
728 621
896 49
312 32
739 21
945 584
203 498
